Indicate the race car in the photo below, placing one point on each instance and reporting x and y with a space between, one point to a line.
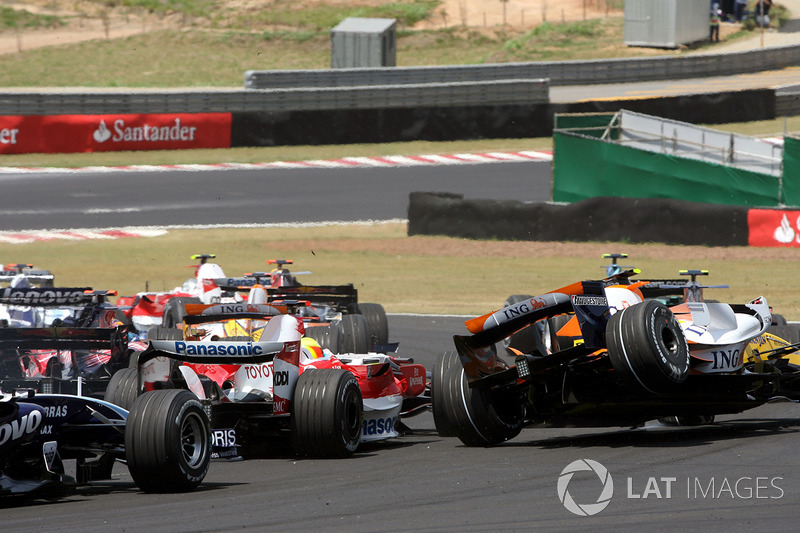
631 360
148 309
60 339
165 440
330 304
35 277
252 368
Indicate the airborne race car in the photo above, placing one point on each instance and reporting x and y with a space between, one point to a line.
250 365
165 440
628 360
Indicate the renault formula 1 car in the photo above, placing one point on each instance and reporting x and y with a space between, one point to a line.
251 367
165 440
629 360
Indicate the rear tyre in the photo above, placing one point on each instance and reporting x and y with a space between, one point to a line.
163 333
168 441
474 415
647 347
355 334
377 323
778 320
439 400
789 333
327 414
123 388
327 337
175 310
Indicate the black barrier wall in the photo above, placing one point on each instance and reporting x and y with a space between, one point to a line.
390 125
635 220
712 108
451 123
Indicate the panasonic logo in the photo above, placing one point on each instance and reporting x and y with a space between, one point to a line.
217 348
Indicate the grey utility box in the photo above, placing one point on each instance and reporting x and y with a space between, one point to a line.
666 23
362 42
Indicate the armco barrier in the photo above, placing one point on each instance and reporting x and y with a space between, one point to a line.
559 73
597 219
54 102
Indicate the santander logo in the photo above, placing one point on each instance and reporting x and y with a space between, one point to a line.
101 134
120 132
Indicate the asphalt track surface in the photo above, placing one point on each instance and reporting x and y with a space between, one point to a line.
742 473
114 199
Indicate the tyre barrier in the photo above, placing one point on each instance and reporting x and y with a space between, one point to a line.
634 220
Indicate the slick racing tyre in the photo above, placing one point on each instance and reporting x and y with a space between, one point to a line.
162 333
327 414
475 416
377 322
123 388
778 320
175 310
647 347
329 337
687 420
168 441
790 333
439 401
355 334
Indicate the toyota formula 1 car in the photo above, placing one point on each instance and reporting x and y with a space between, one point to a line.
251 367
165 440
627 360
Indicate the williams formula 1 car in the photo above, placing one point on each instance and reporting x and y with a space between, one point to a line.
165 440
627 360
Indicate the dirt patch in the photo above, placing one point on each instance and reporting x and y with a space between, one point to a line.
86 21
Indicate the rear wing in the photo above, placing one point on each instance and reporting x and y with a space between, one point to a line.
339 296
202 313
43 278
65 338
213 352
53 296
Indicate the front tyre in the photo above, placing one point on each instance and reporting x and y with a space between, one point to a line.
327 414
168 441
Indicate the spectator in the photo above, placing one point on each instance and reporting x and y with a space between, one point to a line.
738 9
761 12
716 15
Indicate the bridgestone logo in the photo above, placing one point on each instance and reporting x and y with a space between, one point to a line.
590 300
42 296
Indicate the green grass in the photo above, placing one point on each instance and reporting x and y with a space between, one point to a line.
11 18
419 274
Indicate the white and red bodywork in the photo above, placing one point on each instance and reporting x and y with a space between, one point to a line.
385 381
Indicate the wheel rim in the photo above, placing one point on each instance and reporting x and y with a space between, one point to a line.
193 440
